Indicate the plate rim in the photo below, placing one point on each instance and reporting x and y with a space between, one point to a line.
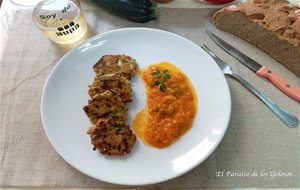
59 62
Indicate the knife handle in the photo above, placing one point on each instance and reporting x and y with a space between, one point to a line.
282 84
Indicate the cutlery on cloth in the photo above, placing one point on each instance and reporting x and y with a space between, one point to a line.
262 71
287 118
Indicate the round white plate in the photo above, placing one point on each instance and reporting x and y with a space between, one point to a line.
65 93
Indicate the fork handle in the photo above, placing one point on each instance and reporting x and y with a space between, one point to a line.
287 118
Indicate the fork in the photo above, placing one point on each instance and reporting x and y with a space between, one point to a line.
287 118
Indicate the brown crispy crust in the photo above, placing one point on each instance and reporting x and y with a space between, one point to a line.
115 83
117 64
105 105
249 28
106 109
112 137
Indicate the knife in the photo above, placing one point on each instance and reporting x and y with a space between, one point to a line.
262 71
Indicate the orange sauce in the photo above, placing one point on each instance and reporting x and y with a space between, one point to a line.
168 115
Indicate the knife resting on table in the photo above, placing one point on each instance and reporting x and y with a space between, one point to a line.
262 71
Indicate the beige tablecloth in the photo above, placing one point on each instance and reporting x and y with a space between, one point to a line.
256 140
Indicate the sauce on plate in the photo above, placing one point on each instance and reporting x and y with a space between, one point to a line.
171 105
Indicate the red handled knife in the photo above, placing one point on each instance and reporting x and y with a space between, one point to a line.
262 71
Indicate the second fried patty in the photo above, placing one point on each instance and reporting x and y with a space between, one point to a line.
117 84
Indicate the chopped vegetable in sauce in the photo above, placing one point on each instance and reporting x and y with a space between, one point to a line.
171 108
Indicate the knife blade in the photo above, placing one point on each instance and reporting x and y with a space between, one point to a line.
260 70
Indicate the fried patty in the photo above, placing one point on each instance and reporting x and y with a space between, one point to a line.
106 108
105 104
116 64
112 137
117 84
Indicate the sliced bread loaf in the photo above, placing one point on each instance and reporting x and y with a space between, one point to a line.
271 25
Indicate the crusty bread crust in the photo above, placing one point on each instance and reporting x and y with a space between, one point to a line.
241 25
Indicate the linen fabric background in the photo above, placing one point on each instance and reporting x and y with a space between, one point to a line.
256 140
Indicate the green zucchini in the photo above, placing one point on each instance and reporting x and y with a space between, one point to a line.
135 10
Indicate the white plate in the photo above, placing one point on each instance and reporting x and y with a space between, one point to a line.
65 93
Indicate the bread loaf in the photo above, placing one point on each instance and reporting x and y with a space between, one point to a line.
271 25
